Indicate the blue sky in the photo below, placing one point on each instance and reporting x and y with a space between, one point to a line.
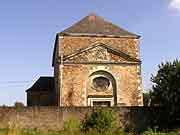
28 29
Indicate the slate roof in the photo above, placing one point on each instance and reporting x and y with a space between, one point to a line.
44 83
93 25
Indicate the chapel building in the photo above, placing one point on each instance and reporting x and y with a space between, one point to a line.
96 63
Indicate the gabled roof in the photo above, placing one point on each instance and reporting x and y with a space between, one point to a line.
44 83
93 25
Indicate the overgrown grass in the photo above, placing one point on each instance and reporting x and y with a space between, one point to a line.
76 131
70 132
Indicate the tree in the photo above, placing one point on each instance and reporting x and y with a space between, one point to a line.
146 98
166 89
18 104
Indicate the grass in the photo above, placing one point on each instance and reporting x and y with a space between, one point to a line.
93 132
72 127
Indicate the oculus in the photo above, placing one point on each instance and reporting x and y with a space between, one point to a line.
101 83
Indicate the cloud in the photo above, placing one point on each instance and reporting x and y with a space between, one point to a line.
175 4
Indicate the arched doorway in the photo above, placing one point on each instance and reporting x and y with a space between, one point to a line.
102 89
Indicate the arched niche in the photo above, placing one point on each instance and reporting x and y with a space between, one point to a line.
102 81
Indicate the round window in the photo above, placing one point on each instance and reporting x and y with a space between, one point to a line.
101 83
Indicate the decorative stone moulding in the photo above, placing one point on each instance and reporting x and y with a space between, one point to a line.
100 82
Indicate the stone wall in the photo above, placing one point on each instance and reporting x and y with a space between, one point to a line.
74 88
52 118
76 85
70 44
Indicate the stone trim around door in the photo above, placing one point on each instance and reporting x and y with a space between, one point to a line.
91 100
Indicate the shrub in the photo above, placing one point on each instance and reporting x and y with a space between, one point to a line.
151 132
101 120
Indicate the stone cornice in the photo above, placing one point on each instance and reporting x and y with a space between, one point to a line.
101 62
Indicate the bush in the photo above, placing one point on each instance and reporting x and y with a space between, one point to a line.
151 132
101 120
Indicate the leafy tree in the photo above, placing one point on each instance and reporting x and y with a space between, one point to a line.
146 98
166 90
18 104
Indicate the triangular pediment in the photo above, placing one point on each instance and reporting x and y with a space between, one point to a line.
99 53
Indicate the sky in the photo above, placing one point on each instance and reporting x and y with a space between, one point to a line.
28 29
